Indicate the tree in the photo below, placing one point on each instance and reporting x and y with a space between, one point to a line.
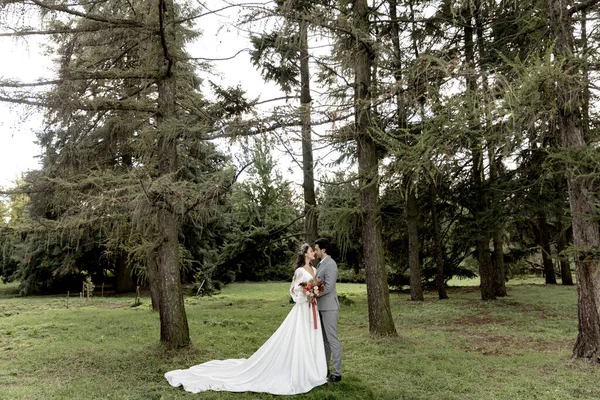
586 237
284 57
263 221
123 65
380 315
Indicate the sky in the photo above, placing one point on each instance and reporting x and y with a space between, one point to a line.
26 62
21 60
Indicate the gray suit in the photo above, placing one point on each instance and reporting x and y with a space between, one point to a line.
329 306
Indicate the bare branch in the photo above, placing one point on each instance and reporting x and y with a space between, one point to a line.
181 21
217 59
583 6
277 99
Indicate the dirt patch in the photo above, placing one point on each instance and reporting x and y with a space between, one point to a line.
505 345
480 319
473 330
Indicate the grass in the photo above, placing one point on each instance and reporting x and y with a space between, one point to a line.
518 347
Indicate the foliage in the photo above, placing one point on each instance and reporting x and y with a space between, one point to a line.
263 227
94 203
339 219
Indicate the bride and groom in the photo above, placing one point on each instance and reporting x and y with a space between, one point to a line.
297 357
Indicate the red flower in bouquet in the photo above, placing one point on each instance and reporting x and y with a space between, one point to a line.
313 288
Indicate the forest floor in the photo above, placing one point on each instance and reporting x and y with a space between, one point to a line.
518 347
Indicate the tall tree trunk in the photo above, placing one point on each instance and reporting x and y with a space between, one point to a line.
308 184
411 209
440 279
412 223
124 283
499 280
397 64
585 106
152 270
499 267
380 315
174 331
483 239
565 265
585 226
545 248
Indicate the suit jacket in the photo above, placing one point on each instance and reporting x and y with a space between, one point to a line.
328 272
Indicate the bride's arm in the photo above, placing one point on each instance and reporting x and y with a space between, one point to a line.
295 288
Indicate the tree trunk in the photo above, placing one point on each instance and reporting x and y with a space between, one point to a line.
585 106
412 222
483 240
544 243
484 260
380 315
411 210
585 226
174 332
125 282
310 201
565 266
499 280
152 270
440 280
499 268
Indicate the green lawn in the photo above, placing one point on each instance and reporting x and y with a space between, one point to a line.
518 347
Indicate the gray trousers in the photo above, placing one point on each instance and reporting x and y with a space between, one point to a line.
333 347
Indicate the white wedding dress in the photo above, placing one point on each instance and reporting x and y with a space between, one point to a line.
292 361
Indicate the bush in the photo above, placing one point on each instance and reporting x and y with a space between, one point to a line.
349 276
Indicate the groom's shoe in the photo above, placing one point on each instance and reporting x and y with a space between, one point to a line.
335 378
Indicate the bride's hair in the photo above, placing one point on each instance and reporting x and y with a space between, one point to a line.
300 259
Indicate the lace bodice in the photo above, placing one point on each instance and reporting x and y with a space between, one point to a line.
301 275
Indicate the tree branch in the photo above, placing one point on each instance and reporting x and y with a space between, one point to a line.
82 75
104 106
217 59
277 99
193 17
89 16
583 6
56 31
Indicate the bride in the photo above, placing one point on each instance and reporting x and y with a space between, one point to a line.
292 361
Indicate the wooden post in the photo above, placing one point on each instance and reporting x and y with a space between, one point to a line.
200 287
102 295
67 300
137 296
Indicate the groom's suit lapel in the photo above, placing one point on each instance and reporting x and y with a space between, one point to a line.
321 266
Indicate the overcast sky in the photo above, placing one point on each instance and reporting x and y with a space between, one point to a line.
20 60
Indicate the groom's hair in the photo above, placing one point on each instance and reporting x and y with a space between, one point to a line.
324 244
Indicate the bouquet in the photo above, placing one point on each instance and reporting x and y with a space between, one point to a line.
313 288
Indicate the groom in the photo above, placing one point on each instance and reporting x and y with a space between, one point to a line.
329 306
